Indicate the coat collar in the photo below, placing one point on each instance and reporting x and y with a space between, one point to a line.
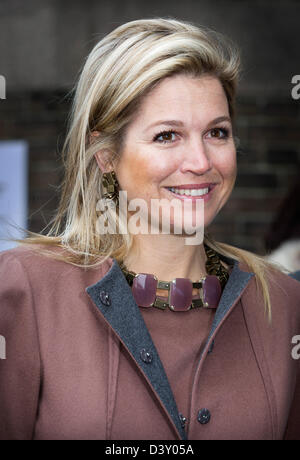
237 282
113 297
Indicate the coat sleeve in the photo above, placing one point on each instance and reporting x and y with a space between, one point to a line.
293 426
20 367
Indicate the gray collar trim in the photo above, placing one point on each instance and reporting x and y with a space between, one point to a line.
125 318
235 285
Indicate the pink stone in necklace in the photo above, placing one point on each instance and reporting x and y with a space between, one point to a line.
180 290
144 286
212 291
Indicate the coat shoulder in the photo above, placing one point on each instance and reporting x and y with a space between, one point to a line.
284 287
279 283
40 264
284 293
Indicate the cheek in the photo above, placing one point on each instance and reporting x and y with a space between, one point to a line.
130 171
138 173
227 167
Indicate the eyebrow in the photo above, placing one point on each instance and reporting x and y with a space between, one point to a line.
180 123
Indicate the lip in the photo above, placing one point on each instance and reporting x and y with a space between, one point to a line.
205 197
193 186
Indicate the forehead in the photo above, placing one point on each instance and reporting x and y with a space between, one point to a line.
183 96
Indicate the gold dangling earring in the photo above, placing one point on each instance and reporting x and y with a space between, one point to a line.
111 186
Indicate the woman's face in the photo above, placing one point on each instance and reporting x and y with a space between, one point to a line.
180 139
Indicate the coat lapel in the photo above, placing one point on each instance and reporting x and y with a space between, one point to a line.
113 297
235 285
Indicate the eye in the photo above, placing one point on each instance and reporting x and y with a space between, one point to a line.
165 137
219 133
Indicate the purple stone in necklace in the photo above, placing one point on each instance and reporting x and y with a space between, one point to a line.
212 291
180 298
144 289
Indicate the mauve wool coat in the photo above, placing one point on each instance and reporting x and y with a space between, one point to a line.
66 330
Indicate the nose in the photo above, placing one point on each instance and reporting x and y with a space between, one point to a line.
196 158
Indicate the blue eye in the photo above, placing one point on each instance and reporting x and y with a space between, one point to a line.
165 137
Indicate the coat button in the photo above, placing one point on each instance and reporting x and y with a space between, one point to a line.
182 419
104 297
146 356
203 416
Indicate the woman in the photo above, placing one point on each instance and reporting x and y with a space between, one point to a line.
95 352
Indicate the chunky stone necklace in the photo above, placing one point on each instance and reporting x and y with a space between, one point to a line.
180 290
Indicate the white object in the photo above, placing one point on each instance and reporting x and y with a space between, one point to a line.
13 191
287 255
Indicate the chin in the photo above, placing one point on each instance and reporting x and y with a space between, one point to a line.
186 230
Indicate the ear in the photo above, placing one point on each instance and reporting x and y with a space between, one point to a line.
103 158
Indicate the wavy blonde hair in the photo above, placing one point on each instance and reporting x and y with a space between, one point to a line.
118 73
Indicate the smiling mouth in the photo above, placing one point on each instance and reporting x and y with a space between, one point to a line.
191 192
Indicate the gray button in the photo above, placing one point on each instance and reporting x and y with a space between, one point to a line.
104 297
146 356
211 347
203 416
182 419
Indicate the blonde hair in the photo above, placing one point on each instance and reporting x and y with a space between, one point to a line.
120 70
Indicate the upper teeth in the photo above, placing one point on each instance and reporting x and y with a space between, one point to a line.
189 192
